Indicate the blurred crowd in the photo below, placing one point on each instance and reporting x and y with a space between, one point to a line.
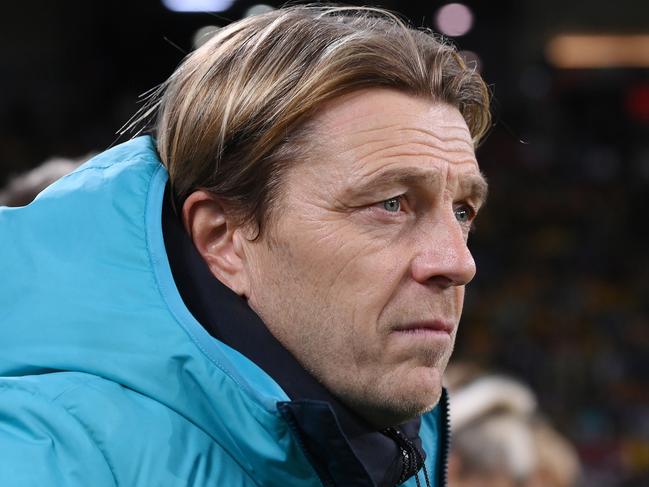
561 296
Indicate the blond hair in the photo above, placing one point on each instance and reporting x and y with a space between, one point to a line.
232 117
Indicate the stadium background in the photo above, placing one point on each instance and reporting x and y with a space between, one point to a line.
560 300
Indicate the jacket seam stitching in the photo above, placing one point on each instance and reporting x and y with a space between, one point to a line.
85 427
194 340
157 282
178 321
129 160
55 402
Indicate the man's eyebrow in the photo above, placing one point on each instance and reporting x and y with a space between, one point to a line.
474 185
411 176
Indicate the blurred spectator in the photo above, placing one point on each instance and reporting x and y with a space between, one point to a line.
22 189
557 462
499 438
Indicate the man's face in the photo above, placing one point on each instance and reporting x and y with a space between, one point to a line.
361 275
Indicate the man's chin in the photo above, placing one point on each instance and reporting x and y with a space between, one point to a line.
396 414
406 400
421 402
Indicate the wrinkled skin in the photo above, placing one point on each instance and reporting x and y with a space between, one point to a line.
361 274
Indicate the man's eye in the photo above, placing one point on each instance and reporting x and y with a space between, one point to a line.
464 214
393 205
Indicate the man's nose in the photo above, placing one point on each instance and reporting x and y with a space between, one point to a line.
443 257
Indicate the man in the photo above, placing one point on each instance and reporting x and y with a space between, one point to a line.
268 292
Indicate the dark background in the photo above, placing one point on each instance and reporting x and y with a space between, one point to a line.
562 247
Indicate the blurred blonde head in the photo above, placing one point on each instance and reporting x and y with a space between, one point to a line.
499 437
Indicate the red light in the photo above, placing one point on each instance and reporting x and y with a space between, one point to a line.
637 102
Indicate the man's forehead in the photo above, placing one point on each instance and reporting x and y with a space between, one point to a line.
394 136
367 103
383 117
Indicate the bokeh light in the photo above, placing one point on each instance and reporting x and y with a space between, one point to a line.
258 9
454 19
198 5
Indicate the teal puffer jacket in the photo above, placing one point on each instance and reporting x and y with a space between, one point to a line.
106 379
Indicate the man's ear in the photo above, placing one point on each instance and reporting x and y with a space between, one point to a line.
218 238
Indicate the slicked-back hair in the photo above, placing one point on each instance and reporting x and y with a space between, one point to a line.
232 118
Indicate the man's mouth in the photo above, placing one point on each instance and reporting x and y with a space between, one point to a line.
426 327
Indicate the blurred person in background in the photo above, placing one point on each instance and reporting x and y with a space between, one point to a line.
22 189
500 439
268 291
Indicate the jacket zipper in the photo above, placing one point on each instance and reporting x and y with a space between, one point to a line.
445 443
407 451
324 476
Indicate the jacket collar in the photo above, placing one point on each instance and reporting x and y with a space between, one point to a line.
341 445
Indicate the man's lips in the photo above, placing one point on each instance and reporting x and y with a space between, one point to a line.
428 326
